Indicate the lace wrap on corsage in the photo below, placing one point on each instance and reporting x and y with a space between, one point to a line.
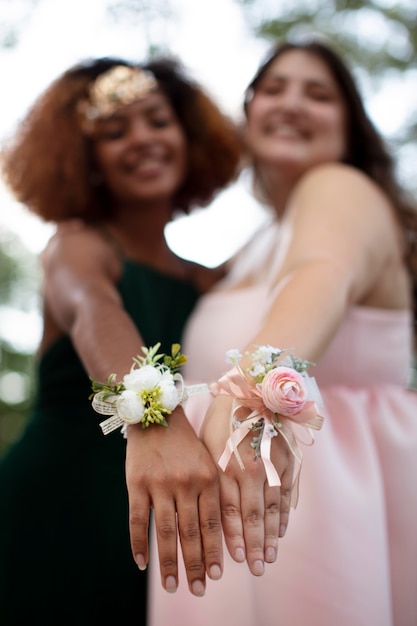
273 396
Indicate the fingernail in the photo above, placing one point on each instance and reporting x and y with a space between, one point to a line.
240 555
170 584
197 588
270 555
258 568
282 530
215 572
140 562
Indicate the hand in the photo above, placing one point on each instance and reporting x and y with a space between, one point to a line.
254 515
170 470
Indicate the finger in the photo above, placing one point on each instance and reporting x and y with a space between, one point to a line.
232 518
283 460
191 545
253 510
167 539
272 522
139 509
211 531
285 499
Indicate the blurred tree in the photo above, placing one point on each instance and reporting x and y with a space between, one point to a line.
378 35
149 14
14 15
19 287
19 280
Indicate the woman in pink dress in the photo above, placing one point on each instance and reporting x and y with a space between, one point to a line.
330 279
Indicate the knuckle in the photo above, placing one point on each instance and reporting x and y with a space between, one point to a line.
195 566
230 512
211 525
205 479
138 519
190 533
166 529
272 509
254 519
199 481
285 497
254 469
210 479
184 480
168 565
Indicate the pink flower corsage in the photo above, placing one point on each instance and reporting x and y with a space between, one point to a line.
272 396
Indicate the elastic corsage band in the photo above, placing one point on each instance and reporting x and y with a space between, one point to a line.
272 396
151 391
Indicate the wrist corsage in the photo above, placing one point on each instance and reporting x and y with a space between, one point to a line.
149 392
272 396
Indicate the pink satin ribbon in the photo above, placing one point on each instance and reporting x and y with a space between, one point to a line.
247 409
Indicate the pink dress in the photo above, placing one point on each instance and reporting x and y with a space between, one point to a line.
349 557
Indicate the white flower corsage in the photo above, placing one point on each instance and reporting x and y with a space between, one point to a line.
149 392
270 396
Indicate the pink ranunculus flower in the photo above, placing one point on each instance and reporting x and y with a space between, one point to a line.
284 391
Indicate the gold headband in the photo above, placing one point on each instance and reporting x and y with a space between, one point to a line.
119 86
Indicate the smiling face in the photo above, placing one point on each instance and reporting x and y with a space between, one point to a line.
141 152
296 118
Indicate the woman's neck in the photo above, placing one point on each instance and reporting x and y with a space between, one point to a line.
139 232
277 188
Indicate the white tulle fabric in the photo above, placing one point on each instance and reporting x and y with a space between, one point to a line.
350 554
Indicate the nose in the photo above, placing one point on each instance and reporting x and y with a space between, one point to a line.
140 132
291 100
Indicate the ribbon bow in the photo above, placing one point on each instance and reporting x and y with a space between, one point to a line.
248 409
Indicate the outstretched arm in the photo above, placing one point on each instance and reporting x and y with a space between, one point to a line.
168 469
339 240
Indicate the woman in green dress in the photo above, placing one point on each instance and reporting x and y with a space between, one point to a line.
108 152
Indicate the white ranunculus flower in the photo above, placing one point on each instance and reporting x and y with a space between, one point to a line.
145 377
130 407
169 393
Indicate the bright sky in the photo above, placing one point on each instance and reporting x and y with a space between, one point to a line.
213 41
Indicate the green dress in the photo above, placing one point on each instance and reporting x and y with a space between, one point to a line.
65 556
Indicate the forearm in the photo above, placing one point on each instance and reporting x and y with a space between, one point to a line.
105 338
306 311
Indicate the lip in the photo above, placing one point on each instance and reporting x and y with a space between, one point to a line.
286 131
146 167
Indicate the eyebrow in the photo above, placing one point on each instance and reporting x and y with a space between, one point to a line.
155 106
309 81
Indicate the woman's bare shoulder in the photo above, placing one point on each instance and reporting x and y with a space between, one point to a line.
338 178
79 244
